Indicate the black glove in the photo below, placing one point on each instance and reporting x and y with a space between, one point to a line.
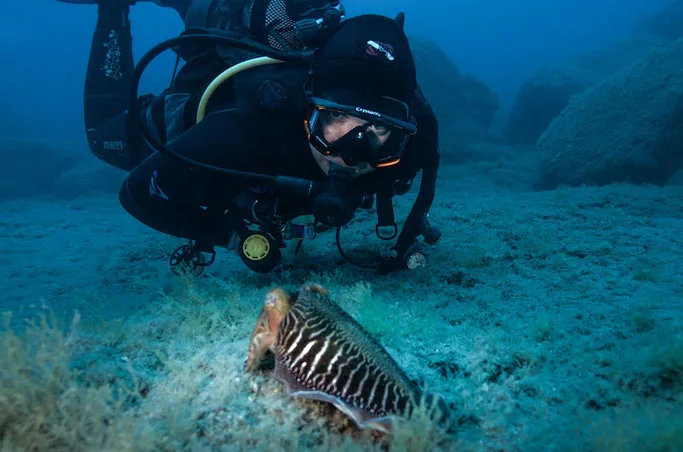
390 265
407 259
332 210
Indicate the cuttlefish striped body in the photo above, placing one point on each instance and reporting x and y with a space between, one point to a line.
322 353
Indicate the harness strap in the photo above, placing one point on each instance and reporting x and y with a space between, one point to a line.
385 212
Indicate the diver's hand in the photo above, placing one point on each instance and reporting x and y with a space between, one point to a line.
392 263
332 210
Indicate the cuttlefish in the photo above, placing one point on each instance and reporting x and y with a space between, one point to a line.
322 353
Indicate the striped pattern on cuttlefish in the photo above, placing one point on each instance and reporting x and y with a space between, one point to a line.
322 353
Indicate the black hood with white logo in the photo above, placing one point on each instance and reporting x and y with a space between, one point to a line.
368 57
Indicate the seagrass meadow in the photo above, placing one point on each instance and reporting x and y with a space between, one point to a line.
548 320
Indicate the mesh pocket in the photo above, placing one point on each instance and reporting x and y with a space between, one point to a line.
279 21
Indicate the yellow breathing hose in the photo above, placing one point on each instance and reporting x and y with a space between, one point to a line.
226 75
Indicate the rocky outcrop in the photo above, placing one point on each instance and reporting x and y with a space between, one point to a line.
464 105
548 92
30 168
34 168
676 179
629 127
667 24
86 179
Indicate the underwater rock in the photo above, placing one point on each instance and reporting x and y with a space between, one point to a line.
667 24
677 179
464 106
30 167
550 90
86 179
627 128
542 98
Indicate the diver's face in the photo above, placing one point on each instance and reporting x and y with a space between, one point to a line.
335 126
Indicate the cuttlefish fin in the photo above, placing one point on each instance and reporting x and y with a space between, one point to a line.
359 416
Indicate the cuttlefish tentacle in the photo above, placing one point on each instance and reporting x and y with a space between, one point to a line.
276 305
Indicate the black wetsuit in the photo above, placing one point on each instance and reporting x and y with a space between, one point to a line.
259 128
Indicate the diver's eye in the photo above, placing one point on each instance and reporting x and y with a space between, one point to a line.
337 115
379 129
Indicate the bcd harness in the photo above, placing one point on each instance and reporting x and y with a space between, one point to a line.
260 249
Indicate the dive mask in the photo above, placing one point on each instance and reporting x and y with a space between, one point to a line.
380 141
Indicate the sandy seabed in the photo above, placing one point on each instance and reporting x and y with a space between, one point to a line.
549 321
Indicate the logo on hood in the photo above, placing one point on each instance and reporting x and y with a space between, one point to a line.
375 48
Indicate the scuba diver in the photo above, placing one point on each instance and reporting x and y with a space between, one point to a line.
316 114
